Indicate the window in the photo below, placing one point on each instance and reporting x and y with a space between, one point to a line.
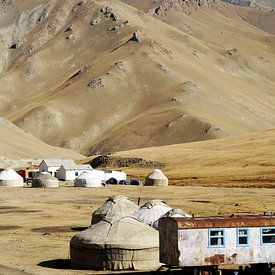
216 237
268 235
76 173
242 237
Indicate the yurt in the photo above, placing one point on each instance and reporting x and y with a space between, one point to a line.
119 244
88 179
116 207
152 211
156 178
9 178
45 180
173 213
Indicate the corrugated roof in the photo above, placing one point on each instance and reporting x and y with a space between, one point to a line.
74 166
59 162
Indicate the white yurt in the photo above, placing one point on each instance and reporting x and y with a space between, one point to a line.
156 178
151 211
119 244
91 178
173 213
45 180
115 207
9 178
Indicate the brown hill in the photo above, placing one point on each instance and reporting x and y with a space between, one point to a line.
77 74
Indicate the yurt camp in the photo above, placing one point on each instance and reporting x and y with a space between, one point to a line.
151 211
9 178
118 244
173 213
116 206
156 178
88 179
45 180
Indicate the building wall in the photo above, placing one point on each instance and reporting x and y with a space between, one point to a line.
64 174
44 168
195 251
115 174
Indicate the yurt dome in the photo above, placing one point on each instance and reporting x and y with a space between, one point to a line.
152 211
45 180
173 213
91 178
9 178
156 178
116 207
118 244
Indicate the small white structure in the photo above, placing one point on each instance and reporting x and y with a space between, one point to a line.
213 241
151 211
9 178
156 178
45 180
91 178
72 171
52 165
118 175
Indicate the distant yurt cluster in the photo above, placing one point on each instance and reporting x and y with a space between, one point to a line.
122 236
9 178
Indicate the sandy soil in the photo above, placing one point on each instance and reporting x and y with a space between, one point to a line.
36 224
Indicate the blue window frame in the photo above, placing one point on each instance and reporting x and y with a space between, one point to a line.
267 235
242 237
216 237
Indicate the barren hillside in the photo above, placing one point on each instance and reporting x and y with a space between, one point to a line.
104 76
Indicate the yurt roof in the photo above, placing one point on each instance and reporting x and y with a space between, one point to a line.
117 206
125 233
9 174
157 174
45 176
152 211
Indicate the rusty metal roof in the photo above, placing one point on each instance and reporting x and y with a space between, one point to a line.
225 221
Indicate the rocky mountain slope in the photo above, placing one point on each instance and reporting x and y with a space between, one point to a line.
100 76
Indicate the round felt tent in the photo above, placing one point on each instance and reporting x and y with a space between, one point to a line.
9 178
45 180
116 244
151 211
173 213
156 178
116 206
91 178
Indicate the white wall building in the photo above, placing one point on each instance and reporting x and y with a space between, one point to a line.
72 171
52 165
118 175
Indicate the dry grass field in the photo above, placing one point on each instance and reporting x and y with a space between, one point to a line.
36 224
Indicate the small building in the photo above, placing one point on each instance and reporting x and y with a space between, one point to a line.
9 178
151 211
214 241
156 178
70 171
52 165
117 175
115 207
29 173
90 179
116 244
45 180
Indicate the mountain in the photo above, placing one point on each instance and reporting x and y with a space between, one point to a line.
101 76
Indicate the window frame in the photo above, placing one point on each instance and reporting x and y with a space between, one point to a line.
262 235
211 237
238 236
